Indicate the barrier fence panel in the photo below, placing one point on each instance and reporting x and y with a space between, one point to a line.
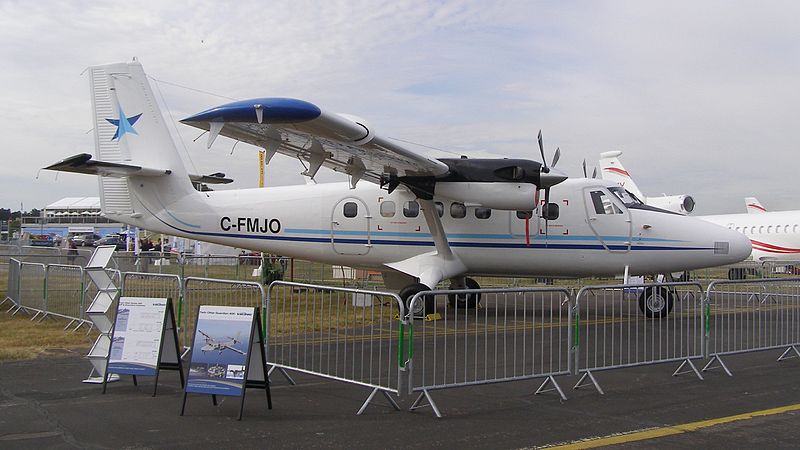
31 287
515 334
348 335
207 291
12 290
64 292
637 324
752 315
137 284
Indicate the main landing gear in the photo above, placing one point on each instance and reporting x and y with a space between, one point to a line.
427 304
656 301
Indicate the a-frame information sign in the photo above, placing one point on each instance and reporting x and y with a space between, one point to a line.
227 354
144 340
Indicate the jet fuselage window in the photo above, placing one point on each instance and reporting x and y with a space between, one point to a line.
387 209
524 214
483 213
440 208
350 209
458 210
411 209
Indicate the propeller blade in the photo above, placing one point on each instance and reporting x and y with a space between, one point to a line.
594 173
556 157
541 150
584 169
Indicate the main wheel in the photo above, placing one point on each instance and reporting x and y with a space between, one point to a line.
421 308
468 301
737 273
656 302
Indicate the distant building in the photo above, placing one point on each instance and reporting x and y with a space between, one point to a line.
70 216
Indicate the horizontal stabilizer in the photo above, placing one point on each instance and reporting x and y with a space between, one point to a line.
214 178
83 163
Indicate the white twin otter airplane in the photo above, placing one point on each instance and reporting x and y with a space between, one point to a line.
418 220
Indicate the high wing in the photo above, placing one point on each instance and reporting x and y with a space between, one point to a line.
302 130
234 349
207 336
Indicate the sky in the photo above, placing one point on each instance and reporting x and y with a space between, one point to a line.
701 96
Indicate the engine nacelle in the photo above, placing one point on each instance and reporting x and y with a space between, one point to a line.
681 204
504 196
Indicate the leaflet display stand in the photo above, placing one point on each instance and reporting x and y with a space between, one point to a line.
98 313
227 355
144 339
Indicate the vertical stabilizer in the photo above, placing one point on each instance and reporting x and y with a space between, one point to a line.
754 206
130 129
611 169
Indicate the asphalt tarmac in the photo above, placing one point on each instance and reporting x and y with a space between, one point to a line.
43 404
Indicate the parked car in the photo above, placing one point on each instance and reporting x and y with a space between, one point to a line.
85 240
111 239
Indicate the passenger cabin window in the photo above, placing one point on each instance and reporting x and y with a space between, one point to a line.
350 209
483 213
387 209
769 229
524 214
603 204
752 230
411 209
458 210
440 208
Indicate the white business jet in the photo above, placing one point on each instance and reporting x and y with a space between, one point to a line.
418 220
774 235
611 169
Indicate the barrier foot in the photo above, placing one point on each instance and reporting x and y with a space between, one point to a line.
716 358
69 324
4 300
789 350
691 366
372 395
35 315
285 374
79 325
418 403
556 387
16 310
591 378
44 316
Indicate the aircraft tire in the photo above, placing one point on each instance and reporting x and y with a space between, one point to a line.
468 301
427 306
656 302
737 273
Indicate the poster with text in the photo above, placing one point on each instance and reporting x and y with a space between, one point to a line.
219 352
136 339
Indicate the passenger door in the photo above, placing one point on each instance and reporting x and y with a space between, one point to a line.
350 222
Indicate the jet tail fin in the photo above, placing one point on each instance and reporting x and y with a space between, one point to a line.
611 169
754 206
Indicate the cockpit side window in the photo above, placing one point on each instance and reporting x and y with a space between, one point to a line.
626 197
603 204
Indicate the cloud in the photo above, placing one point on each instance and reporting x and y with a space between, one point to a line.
699 96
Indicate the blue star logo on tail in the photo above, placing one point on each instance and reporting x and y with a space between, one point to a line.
124 124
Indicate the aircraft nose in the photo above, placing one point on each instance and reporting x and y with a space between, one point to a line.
739 246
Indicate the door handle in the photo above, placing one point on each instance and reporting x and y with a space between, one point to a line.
334 222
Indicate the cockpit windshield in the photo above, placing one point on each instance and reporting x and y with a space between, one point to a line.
626 197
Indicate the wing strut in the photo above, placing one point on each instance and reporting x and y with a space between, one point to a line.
435 266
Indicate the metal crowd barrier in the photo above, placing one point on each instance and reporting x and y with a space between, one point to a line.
32 288
516 334
209 291
752 315
137 284
349 335
64 289
637 324
12 290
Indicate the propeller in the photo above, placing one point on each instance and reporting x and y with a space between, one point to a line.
594 172
547 182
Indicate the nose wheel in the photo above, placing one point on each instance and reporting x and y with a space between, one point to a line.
656 302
